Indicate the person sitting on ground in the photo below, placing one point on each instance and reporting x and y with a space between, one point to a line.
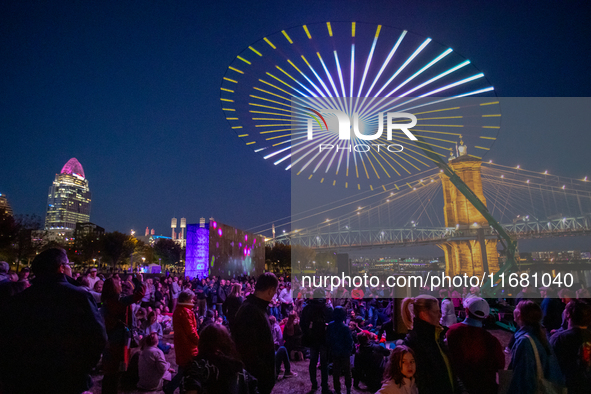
475 354
217 368
399 372
292 334
281 354
152 366
152 326
369 362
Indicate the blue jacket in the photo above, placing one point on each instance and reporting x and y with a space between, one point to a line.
338 335
523 364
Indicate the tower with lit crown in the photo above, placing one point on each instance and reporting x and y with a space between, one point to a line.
68 201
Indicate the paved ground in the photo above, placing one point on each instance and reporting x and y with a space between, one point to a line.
301 384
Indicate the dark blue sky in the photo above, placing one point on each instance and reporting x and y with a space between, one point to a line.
131 89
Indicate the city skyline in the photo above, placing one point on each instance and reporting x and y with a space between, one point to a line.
136 98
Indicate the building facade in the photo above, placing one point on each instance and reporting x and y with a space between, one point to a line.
68 202
215 248
5 205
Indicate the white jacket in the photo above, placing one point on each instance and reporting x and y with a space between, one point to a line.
152 367
448 313
409 387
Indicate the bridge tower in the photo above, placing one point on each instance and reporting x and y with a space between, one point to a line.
473 248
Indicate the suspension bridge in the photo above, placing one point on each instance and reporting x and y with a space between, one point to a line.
528 204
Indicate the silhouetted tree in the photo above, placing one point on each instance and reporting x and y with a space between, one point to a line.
116 247
167 250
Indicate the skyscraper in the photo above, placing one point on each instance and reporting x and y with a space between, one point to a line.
68 202
5 205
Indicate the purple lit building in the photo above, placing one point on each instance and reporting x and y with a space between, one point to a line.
217 249
68 201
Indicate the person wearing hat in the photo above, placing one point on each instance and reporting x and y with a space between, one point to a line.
475 354
92 278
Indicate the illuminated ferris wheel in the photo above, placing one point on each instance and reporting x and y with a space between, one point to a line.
303 81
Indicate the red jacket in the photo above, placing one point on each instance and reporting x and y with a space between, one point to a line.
185 334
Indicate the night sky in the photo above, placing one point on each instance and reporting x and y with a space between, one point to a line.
131 89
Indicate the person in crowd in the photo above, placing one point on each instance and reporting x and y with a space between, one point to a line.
583 294
152 366
281 353
201 293
11 287
149 294
315 316
4 268
573 347
526 293
92 278
566 296
286 299
340 344
23 276
186 338
292 334
369 362
221 296
175 290
456 297
253 336
399 372
39 351
421 315
97 290
208 319
119 323
448 311
159 298
528 316
388 328
475 354
552 309
217 368
232 304
152 326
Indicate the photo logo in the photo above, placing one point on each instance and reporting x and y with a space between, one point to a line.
346 123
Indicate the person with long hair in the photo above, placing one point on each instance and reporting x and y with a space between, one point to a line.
528 316
150 326
233 303
421 315
217 368
399 372
119 323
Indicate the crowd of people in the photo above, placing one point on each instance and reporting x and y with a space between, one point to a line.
240 335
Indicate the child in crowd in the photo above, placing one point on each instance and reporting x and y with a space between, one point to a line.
399 372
